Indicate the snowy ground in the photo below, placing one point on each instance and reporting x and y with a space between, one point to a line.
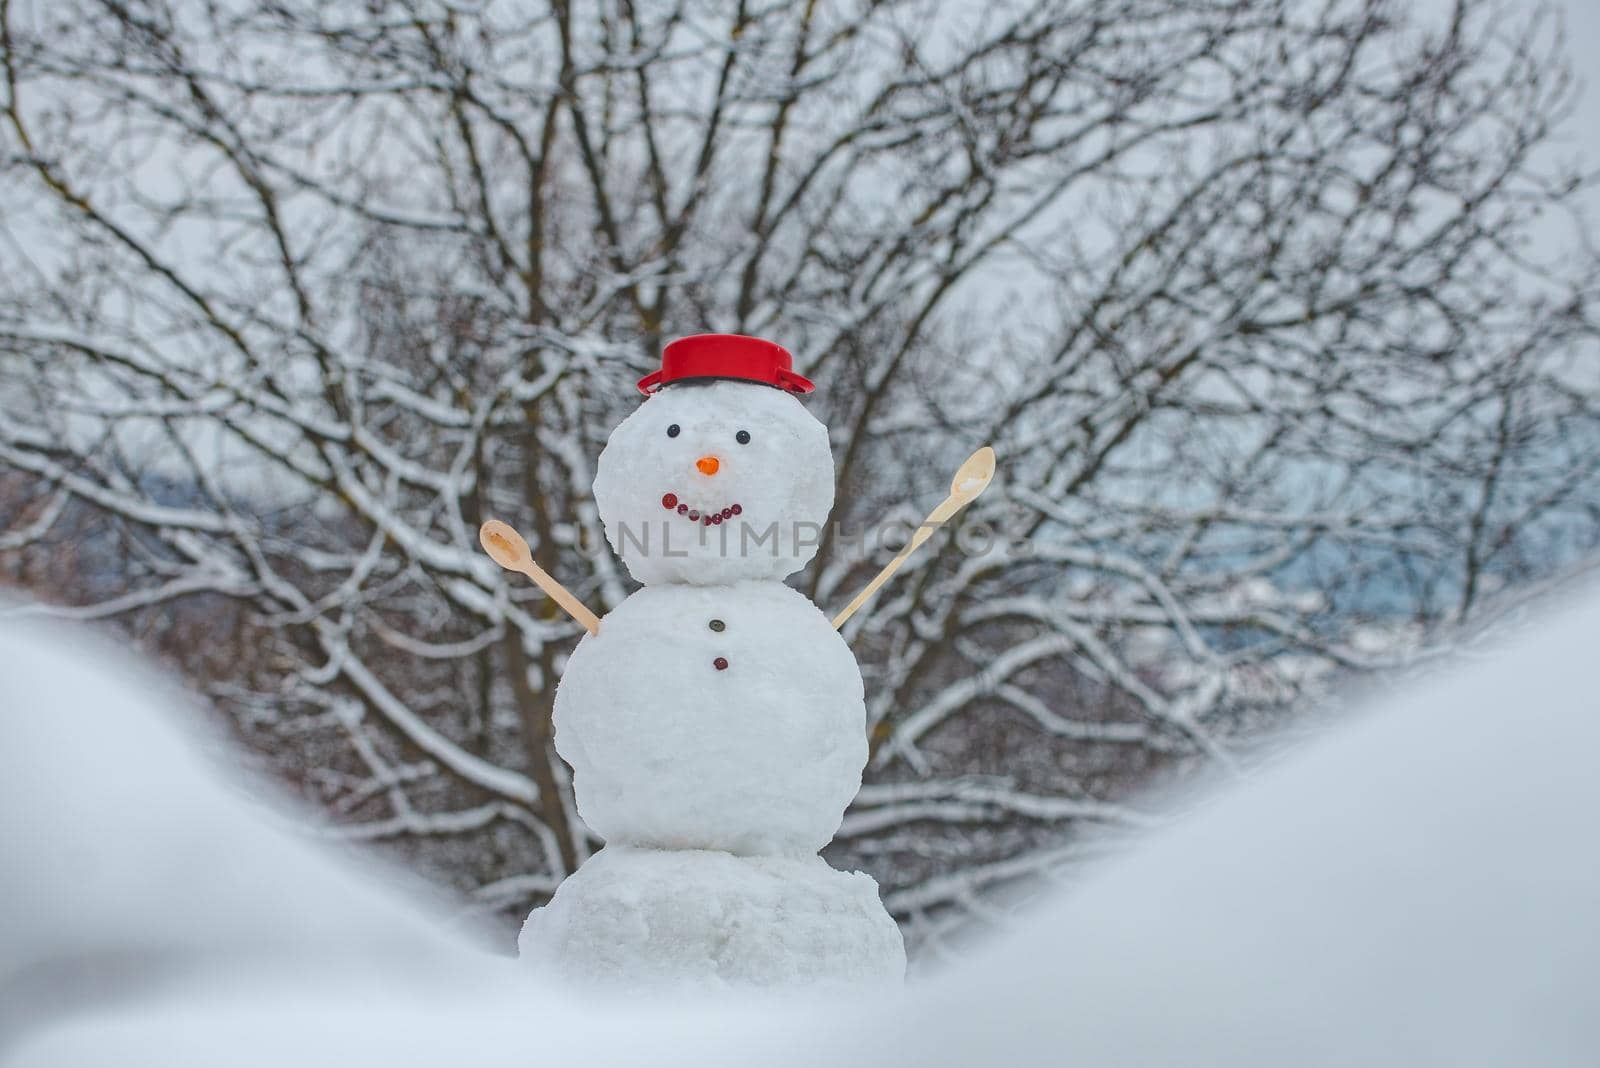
1422 887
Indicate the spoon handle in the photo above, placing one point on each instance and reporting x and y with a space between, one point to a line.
561 596
936 518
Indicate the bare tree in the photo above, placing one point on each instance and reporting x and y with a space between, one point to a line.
297 293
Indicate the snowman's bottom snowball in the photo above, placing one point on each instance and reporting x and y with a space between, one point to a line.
698 918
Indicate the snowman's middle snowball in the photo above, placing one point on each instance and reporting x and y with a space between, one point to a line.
714 717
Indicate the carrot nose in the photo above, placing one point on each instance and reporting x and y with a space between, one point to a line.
708 465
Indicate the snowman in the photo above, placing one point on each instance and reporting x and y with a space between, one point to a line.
714 721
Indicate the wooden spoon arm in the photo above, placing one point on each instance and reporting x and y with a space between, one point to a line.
872 587
510 550
562 596
937 518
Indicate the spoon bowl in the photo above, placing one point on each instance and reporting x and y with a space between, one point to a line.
510 550
974 475
504 545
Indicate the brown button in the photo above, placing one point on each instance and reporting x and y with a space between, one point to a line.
718 625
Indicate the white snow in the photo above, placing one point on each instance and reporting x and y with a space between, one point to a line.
781 480
655 918
1420 887
124 861
761 756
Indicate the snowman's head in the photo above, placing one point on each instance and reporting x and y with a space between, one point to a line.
712 482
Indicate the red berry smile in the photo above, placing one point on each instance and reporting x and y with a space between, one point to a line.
671 503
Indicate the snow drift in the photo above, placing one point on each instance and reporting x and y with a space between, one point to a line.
1419 887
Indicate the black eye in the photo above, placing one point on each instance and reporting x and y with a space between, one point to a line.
742 437
672 431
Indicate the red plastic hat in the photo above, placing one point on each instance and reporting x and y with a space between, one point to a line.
748 359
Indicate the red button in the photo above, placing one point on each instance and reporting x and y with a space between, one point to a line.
720 663
670 501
